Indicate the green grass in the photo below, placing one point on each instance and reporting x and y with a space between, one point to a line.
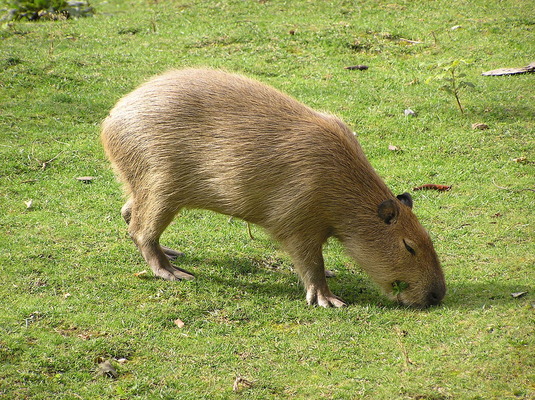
69 297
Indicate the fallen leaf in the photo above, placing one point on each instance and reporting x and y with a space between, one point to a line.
410 113
106 369
86 179
391 147
510 71
66 295
454 28
518 295
518 160
480 126
431 186
329 274
408 41
141 273
357 67
179 323
240 381
29 204
121 360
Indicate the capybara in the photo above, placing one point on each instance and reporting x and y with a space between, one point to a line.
208 139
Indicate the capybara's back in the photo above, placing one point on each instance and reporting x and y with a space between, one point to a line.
202 138
226 143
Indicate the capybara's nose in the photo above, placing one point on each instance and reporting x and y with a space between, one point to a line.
433 299
436 295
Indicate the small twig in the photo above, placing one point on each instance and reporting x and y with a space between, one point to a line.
248 227
400 335
456 90
434 37
512 190
249 231
45 164
410 41
459 103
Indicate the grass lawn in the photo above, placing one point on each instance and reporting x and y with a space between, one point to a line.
69 298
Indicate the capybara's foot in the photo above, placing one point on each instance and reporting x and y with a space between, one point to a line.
172 273
323 298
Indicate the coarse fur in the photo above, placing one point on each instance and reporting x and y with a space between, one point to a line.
203 138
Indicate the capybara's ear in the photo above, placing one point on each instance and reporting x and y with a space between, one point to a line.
406 199
388 211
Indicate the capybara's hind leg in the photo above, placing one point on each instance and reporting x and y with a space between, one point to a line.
147 222
126 212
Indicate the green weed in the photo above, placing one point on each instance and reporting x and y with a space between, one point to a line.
34 10
452 79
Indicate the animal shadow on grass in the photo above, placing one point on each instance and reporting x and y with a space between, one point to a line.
511 112
268 278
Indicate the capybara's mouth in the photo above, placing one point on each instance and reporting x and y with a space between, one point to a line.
432 299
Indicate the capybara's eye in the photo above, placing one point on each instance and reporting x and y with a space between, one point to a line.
409 248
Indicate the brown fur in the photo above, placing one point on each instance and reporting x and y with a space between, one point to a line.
201 138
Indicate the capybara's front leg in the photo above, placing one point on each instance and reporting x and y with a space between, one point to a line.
308 262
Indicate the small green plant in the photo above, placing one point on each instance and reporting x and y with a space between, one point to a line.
398 287
33 10
451 79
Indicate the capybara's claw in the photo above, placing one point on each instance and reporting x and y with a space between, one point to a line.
170 253
324 298
174 274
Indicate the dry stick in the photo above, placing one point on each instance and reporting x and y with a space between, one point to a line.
456 91
400 334
512 190
434 37
249 231
44 164
248 227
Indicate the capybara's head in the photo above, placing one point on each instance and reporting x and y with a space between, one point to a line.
400 257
